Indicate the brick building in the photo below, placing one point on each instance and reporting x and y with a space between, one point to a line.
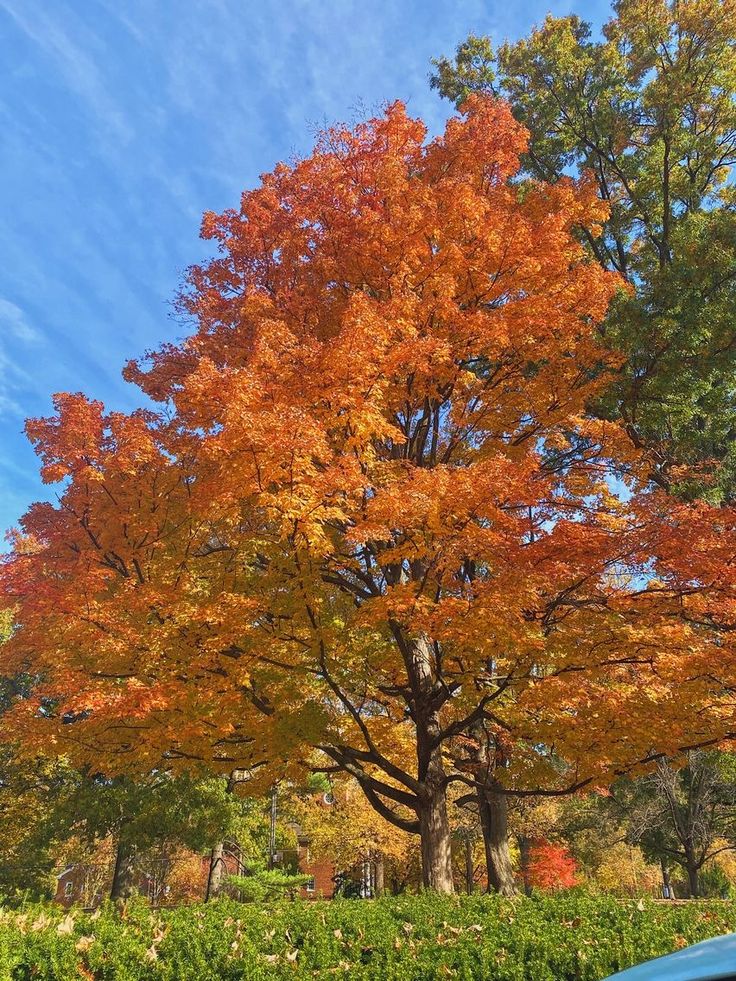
321 872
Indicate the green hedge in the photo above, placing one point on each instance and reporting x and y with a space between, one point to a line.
553 938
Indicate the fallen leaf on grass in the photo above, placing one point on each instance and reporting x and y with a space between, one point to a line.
41 922
66 926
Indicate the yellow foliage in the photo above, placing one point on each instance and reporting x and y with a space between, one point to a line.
625 871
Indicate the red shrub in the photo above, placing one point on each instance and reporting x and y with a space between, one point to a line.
551 866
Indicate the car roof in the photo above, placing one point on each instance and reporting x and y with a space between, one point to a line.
709 960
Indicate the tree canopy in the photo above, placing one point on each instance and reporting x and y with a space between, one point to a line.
376 509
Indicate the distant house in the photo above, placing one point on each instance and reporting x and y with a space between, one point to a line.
84 885
89 885
322 872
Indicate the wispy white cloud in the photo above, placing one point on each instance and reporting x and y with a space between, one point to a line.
16 336
76 53
14 322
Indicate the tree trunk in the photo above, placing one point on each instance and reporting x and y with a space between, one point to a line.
434 826
434 831
525 845
122 876
217 869
379 874
469 866
693 879
493 810
493 814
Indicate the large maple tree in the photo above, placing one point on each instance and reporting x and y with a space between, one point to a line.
374 512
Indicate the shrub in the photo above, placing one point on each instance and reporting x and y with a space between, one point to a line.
551 866
267 885
565 937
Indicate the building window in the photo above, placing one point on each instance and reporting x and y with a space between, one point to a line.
309 884
68 888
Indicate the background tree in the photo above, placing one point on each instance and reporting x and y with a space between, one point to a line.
647 111
32 787
594 829
469 848
679 817
684 816
624 870
349 832
143 816
30 792
550 866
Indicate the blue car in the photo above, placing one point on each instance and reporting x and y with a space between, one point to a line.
711 960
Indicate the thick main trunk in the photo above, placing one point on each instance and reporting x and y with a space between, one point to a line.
123 873
434 826
493 815
216 872
493 810
434 831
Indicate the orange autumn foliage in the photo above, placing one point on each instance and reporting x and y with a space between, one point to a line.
374 510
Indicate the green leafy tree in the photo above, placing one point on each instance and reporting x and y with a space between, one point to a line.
681 817
30 792
647 113
31 788
144 812
249 839
260 884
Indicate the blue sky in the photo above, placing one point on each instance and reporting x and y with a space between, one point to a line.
123 120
